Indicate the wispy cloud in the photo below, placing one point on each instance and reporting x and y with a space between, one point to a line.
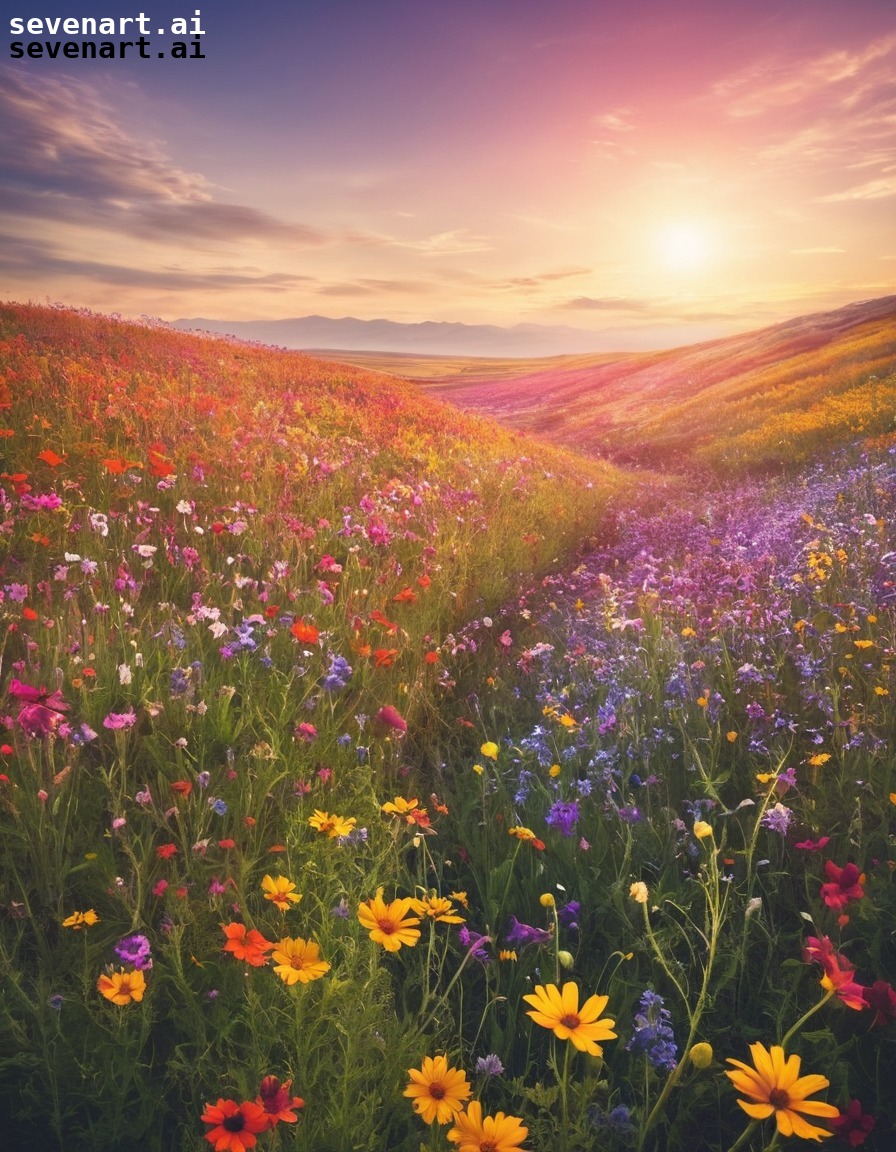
873 190
815 251
66 158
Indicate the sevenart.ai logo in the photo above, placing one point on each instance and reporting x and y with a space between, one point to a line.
103 38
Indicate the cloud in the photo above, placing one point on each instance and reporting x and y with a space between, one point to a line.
66 158
369 286
451 243
873 190
609 304
34 257
616 120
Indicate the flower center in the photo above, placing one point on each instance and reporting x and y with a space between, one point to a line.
387 927
234 1123
488 1146
779 1098
571 1021
437 1091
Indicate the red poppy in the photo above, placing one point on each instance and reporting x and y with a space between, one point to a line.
182 787
49 457
424 581
378 617
29 614
431 657
271 611
235 1125
226 844
384 657
246 944
405 596
166 851
305 633
845 885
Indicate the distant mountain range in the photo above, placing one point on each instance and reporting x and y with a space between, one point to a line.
432 338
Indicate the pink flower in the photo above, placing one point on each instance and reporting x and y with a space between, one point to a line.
305 732
392 719
845 885
119 720
813 845
852 1126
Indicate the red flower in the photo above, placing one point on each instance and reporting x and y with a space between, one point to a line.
405 596
49 457
813 845
305 633
852 1126
845 885
226 844
182 787
881 997
392 718
246 944
385 657
166 851
236 1125
276 1102
838 972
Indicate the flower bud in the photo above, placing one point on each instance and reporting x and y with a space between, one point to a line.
702 829
546 900
565 959
701 1055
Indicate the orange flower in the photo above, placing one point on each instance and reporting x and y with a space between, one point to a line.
235 1125
405 596
280 891
49 457
305 633
385 657
246 944
123 987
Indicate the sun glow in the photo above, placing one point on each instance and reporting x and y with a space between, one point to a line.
685 247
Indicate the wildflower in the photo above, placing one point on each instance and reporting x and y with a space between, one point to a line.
389 924
391 718
563 815
476 944
305 633
524 934
79 920
559 1011
881 998
166 851
507 955
436 1091
489 1066
298 961
490 750
653 1033
332 826
42 712
702 829
777 819
853 1126
305 732
528 835
474 1133
118 721
813 845
122 987
638 892
438 908
276 1102
280 891
844 885
135 950
701 1055
775 1087
236 1126
246 944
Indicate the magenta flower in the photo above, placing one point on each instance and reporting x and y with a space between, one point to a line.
120 720
42 711
853 1125
392 718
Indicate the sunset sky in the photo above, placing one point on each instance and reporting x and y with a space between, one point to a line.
665 171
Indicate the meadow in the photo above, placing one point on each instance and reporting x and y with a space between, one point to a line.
373 777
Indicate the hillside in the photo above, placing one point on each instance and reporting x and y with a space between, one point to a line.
755 399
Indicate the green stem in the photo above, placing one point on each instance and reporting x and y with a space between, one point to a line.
806 1015
744 1136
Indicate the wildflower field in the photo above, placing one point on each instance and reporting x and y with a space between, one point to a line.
375 778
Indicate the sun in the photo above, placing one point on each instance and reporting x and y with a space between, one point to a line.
685 247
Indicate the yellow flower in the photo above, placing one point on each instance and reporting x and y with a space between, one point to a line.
437 908
568 721
819 758
559 1011
701 1055
79 920
774 1087
461 898
386 923
474 1133
332 826
437 1091
489 749
554 771
863 643
730 737
400 806
703 701
881 691
122 987
546 900
280 891
298 961
507 954
688 632
702 829
478 769
638 892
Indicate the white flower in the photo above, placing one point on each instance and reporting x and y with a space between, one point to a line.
124 674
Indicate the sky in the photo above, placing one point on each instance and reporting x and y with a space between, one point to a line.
661 173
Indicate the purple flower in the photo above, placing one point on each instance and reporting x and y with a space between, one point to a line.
135 950
489 1065
564 815
568 915
523 934
653 1033
475 943
777 819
